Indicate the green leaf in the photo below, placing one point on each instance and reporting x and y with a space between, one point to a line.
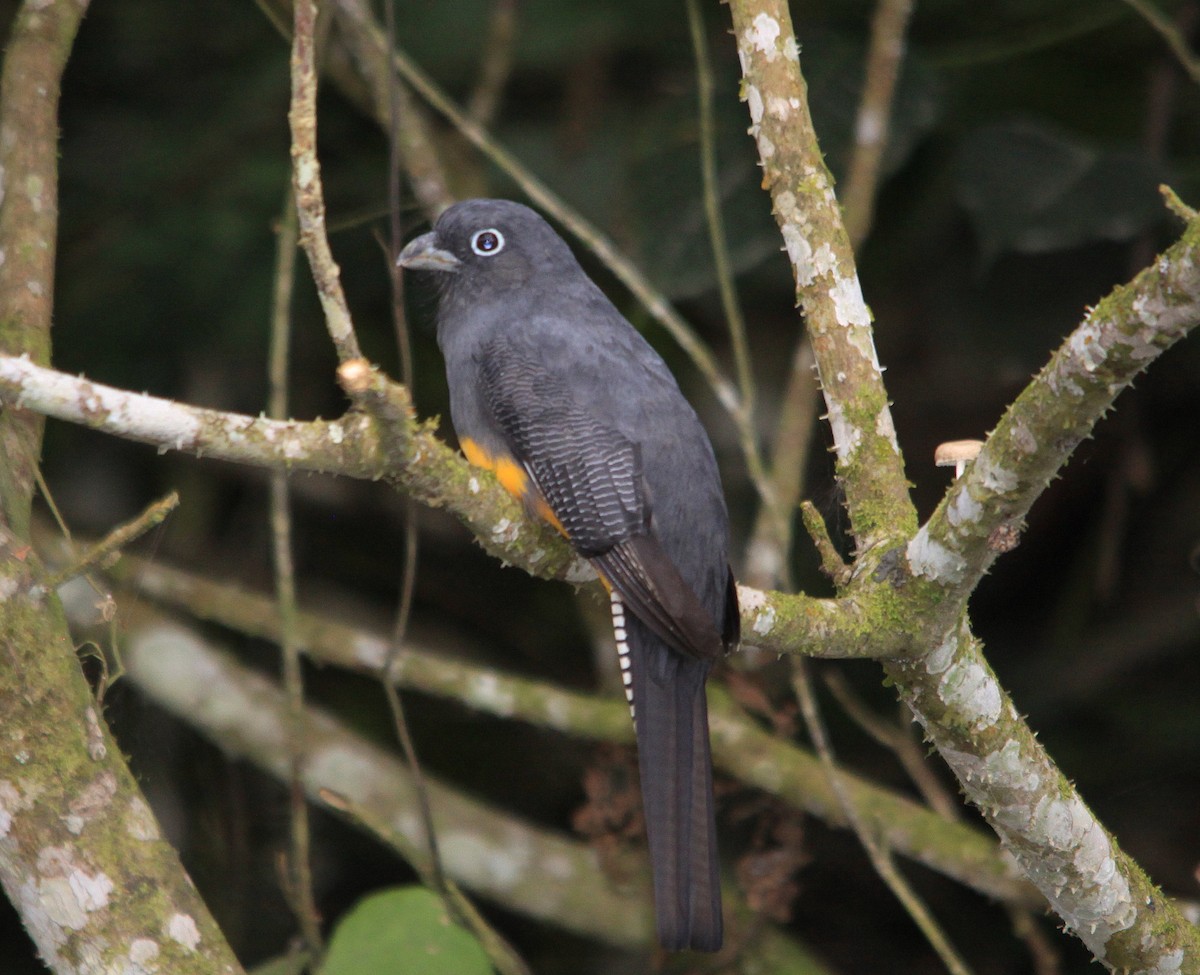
405 931
1030 188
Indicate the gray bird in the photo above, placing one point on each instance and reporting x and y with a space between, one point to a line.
551 388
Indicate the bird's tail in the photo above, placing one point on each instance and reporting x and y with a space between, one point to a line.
671 716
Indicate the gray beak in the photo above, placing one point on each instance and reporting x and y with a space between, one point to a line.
423 254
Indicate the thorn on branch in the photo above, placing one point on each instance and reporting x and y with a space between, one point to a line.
1176 205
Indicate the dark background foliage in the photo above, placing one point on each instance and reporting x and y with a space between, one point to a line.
1028 142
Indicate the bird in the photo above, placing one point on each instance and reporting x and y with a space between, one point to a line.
553 390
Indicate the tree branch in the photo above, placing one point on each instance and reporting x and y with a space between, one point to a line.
869 465
97 886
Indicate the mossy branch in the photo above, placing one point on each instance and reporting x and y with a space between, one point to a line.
869 465
97 886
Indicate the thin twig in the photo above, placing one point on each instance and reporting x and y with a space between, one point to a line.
1176 205
306 181
880 856
496 63
298 883
1171 35
712 209
435 875
884 57
899 741
502 954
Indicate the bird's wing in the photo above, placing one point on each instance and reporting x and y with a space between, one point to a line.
590 475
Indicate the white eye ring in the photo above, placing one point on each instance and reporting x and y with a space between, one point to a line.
487 243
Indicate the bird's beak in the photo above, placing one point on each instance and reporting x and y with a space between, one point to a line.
423 254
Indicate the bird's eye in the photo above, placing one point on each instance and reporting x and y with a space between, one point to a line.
488 242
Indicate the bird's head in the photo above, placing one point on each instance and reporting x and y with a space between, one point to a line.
488 245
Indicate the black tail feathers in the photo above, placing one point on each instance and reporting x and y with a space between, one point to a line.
677 791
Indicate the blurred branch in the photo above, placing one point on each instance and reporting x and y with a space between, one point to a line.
741 748
1169 31
298 868
82 860
884 58
768 552
497 62
899 741
526 868
398 113
543 875
712 210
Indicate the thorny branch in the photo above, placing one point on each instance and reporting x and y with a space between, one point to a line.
1101 894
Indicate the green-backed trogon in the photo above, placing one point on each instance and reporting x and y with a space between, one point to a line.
551 388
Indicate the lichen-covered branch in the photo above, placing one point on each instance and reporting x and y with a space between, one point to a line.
96 885
1101 894
356 445
827 286
347 446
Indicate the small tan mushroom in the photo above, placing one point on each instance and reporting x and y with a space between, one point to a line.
956 454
